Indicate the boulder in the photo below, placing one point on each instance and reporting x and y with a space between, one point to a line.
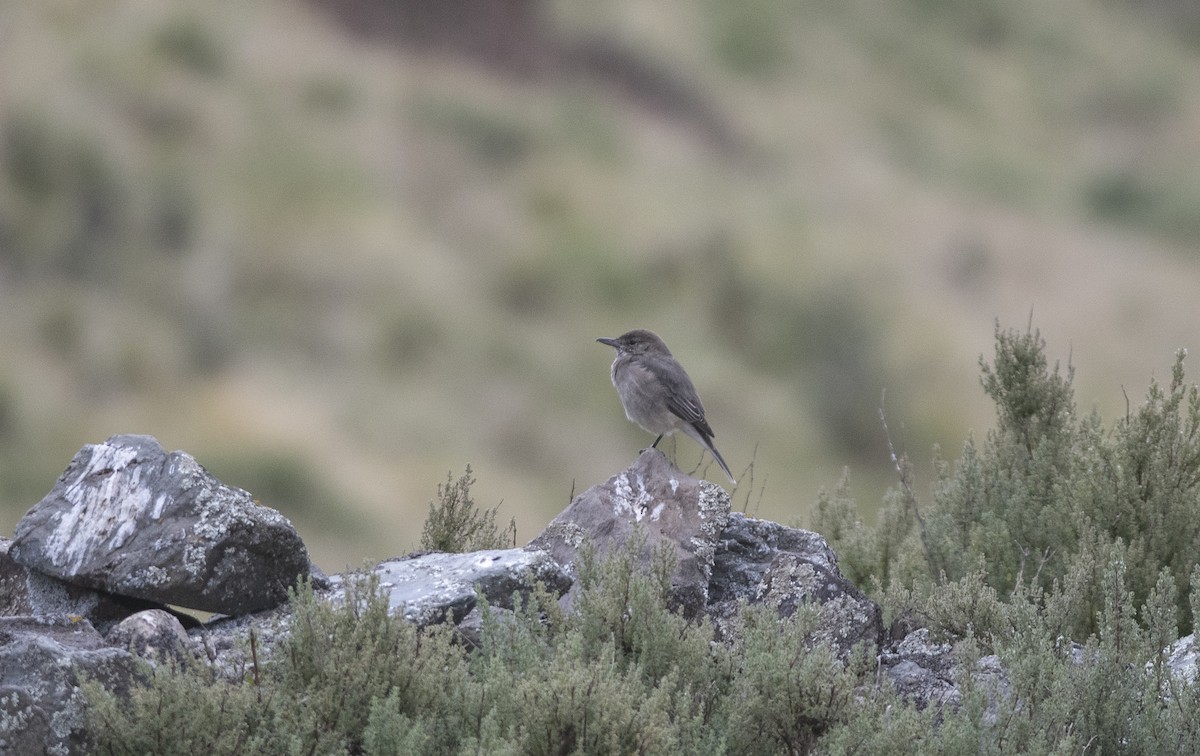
922 670
154 634
128 518
430 588
928 673
42 662
669 507
1183 658
758 561
26 592
422 588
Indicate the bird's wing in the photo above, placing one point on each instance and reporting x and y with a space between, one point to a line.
683 401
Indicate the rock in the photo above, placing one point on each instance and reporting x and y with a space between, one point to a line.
423 589
928 674
128 518
442 587
669 506
759 561
922 671
1183 657
470 628
14 588
233 645
153 634
41 663
26 592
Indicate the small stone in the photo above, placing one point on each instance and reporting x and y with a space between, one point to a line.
153 634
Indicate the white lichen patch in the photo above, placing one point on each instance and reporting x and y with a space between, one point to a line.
630 500
572 534
98 518
152 575
712 507
13 716
195 556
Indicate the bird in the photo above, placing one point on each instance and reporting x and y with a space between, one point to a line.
657 393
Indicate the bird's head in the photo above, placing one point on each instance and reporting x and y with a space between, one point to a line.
637 341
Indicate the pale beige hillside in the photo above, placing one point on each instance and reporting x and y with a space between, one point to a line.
336 256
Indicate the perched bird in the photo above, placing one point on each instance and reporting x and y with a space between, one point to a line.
656 392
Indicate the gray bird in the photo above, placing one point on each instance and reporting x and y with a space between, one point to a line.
656 392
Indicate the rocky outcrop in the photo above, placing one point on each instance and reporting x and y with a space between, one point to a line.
130 519
43 660
129 525
758 561
670 508
423 588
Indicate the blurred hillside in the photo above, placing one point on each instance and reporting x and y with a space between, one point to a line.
338 249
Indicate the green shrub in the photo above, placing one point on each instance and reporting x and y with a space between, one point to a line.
1109 694
329 689
1045 493
181 710
1055 529
788 691
455 524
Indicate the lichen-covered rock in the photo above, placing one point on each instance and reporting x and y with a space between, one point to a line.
758 561
26 592
154 634
922 670
1183 658
441 587
423 589
928 674
670 507
233 645
129 518
42 661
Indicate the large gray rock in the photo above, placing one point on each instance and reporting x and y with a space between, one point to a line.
25 592
423 589
1183 658
758 561
128 518
439 587
668 506
42 660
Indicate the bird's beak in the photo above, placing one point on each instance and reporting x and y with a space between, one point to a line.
611 342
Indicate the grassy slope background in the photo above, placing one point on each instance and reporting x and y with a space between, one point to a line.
334 264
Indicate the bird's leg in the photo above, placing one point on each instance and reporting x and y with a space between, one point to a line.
655 444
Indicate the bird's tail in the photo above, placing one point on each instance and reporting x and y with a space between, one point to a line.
717 456
704 438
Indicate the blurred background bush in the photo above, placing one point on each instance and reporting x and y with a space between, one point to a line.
338 248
